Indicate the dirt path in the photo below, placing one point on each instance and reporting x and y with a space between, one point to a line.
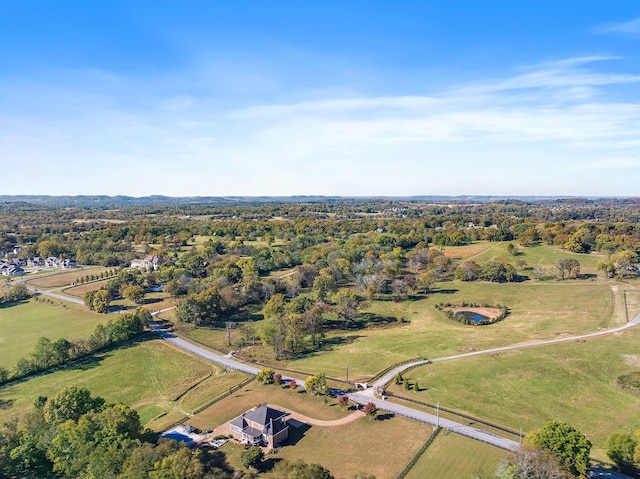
319 422
226 427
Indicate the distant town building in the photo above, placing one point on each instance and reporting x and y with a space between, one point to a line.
10 269
52 262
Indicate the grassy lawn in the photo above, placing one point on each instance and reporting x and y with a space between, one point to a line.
66 278
358 446
149 376
346 450
573 382
21 326
538 310
456 457
255 393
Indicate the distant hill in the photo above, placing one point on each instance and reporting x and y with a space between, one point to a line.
104 201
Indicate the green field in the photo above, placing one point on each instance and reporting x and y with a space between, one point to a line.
456 457
21 325
537 311
542 255
572 381
150 376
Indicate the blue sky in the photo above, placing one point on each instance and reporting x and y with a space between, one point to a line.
335 98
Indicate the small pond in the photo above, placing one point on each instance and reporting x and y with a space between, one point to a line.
472 316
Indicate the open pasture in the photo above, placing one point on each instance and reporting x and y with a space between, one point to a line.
540 255
572 381
467 251
151 376
538 310
456 457
21 325
55 280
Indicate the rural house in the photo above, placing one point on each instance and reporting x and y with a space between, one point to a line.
152 262
261 426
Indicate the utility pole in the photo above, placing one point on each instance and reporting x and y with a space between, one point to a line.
438 414
347 372
230 325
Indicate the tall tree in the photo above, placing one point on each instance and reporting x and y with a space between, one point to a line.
566 443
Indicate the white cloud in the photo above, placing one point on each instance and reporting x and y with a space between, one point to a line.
512 135
631 27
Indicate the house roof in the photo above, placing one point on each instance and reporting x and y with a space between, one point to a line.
263 415
252 432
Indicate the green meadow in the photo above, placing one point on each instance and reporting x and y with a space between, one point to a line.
162 383
21 325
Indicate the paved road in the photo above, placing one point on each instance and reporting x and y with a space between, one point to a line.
225 361
360 398
391 374
427 418
56 295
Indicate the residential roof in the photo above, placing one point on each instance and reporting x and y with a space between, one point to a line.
264 414
252 432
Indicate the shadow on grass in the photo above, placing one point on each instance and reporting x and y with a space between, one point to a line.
269 463
297 430
385 416
152 300
588 276
6 403
444 291
216 459
8 304
89 363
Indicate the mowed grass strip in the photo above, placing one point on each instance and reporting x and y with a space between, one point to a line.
55 280
80 290
467 251
456 457
21 325
572 382
149 375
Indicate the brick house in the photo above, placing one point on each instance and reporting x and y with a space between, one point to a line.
263 426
